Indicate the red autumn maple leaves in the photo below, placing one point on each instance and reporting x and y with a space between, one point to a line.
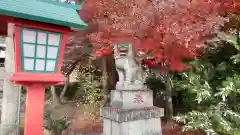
169 30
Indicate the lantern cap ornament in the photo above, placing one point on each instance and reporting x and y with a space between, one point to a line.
41 29
59 13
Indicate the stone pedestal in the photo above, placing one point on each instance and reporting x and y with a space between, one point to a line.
132 113
130 99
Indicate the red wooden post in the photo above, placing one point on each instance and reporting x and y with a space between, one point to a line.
37 81
34 110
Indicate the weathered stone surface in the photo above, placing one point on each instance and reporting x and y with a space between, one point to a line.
132 113
129 99
9 129
131 87
125 115
130 74
11 92
137 127
76 133
47 132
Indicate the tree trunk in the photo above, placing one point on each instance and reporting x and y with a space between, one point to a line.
11 92
56 133
55 98
105 81
112 73
64 89
237 32
105 74
169 104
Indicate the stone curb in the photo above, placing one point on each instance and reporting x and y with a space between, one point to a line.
72 133
124 115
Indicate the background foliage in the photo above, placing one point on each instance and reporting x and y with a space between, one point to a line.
172 31
211 89
90 91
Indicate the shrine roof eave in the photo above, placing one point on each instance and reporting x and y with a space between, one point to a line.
42 11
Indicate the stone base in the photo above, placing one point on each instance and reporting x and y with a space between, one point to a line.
143 121
139 127
130 87
130 99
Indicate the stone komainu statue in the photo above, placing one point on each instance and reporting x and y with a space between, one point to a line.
128 68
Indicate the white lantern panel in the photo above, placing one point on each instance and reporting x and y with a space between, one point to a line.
29 36
40 64
42 38
28 50
28 64
52 52
51 64
41 51
53 39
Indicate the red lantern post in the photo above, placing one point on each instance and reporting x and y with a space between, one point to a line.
40 39
39 55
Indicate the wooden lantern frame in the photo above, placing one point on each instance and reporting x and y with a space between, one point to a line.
36 81
27 78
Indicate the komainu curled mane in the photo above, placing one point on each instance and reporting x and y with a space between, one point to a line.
128 68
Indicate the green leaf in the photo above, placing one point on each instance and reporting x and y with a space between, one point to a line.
235 59
222 66
232 39
221 125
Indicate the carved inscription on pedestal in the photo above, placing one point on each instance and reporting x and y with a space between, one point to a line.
138 99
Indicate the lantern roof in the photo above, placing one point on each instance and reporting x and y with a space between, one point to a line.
47 11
